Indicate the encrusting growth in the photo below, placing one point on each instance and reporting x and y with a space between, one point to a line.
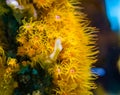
60 42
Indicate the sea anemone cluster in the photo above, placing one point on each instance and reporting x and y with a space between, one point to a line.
52 53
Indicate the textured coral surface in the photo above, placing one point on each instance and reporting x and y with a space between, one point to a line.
52 49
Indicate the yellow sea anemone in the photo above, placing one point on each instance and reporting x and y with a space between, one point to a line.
32 38
72 71
77 40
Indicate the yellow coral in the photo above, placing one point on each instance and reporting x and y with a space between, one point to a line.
12 63
32 37
72 71
57 72
6 79
43 3
37 39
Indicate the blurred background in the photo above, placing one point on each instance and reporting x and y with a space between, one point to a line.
105 15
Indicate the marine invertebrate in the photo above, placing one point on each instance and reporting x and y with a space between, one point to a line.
43 3
6 81
34 31
72 71
76 39
54 52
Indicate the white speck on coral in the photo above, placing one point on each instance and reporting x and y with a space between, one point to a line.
57 49
58 45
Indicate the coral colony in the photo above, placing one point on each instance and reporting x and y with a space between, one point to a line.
46 48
